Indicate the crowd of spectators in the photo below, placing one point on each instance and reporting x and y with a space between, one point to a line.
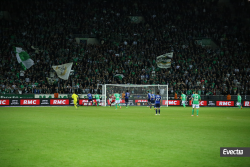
47 31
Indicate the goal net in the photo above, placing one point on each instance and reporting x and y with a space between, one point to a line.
138 93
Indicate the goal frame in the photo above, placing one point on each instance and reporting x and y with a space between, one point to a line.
104 88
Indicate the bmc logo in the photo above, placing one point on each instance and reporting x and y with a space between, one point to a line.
29 102
202 103
224 103
141 101
4 102
171 102
246 103
59 102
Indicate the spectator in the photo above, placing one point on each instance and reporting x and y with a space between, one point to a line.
136 45
55 95
36 90
175 96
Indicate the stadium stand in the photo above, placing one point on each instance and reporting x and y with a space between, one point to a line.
47 30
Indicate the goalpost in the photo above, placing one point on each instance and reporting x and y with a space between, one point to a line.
138 93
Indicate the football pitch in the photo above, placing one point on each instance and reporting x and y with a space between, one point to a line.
134 136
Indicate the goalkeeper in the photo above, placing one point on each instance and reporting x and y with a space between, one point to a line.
75 98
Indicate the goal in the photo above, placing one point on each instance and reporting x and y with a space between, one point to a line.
138 93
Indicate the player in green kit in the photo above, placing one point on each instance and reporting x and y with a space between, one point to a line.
117 100
183 98
239 101
97 97
196 101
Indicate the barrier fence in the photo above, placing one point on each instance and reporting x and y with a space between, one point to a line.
134 102
135 96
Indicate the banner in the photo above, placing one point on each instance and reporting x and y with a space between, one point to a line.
45 102
121 102
4 102
30 102
164 61
15 96
59 102
63 70
202 103
225 103
211 103
14 102
140 102
246 104
186 103
171 102
84 102
137 102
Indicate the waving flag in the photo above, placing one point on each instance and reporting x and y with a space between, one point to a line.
63 70
164 61
23 58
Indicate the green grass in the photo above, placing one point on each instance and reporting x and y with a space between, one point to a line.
88 137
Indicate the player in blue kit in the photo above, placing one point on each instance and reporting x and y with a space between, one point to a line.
126 98
90 98
157 103
152 98
149 98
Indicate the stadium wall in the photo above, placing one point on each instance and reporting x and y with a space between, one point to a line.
4 96
82 96
136 102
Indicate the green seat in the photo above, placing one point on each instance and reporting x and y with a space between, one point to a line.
44 96
50 97
40 96
64 96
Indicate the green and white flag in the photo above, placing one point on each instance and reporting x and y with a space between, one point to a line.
120 76
164 61
169 55
23 58
63 70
